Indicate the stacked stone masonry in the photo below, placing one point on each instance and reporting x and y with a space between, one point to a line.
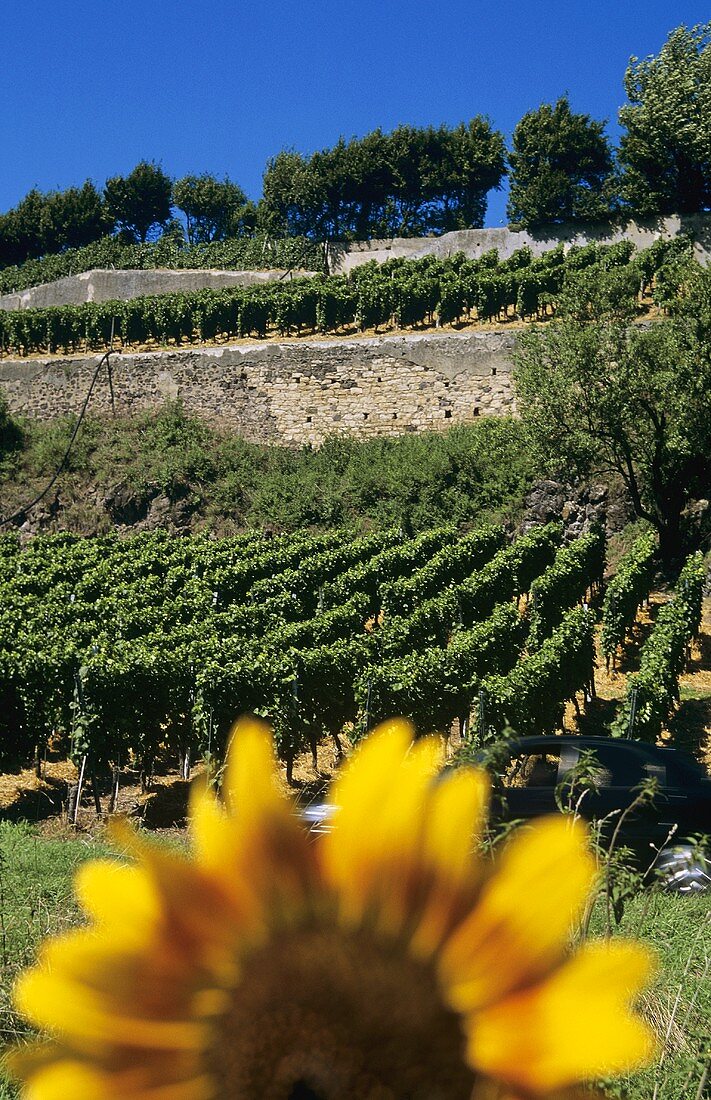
293 392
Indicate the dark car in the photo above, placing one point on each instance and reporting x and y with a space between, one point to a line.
601 778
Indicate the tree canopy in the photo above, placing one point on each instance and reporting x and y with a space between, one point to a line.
214 209
561 168
51 222
139 201
409 182
665 149
613 396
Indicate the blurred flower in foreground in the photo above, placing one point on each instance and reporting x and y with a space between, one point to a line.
381 960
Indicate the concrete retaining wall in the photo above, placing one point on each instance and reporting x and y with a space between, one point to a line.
291 392
103 285
474 242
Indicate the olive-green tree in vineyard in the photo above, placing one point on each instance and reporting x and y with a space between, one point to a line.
609 395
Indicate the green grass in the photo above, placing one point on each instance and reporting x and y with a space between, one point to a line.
36 901
678 929
205 477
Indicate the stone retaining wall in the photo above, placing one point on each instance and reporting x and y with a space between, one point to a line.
290 392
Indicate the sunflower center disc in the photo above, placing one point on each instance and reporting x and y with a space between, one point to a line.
322 1015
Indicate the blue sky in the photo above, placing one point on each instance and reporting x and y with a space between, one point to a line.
90 87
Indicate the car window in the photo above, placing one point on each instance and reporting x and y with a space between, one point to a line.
532 769
682 770
656 771
617 767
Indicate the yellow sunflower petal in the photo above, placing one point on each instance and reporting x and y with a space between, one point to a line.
60 1080
455 819
271 857
250 787
363 784
373 853
56 1002
521 923
118 895
358 795
574 1026
64 1079
211 831
456 816
114 969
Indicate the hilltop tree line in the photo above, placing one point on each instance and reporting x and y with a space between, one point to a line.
414 181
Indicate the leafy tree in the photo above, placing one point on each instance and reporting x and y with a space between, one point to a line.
665 151
292 197
214 209
458 167
44 223
139 201
561 168
73 218
605 394
409 182
20 229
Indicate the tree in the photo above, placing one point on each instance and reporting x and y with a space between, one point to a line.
52 221
470 162
561 168
21 234
73 218
665 151
214 209
139 201
412 181
608 395
292 197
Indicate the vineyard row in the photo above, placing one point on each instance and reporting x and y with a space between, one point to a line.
128 645
406 293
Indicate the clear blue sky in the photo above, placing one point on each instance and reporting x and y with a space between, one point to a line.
90 87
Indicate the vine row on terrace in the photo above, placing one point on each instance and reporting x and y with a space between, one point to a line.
653 691
404 293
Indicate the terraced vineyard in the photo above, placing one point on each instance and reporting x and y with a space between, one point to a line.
403 293
133 647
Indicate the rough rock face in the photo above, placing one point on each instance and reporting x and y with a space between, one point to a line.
578 506
149 510
122 508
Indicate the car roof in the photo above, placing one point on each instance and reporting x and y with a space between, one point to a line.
637 748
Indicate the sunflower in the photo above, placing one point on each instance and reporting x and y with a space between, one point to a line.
384 959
